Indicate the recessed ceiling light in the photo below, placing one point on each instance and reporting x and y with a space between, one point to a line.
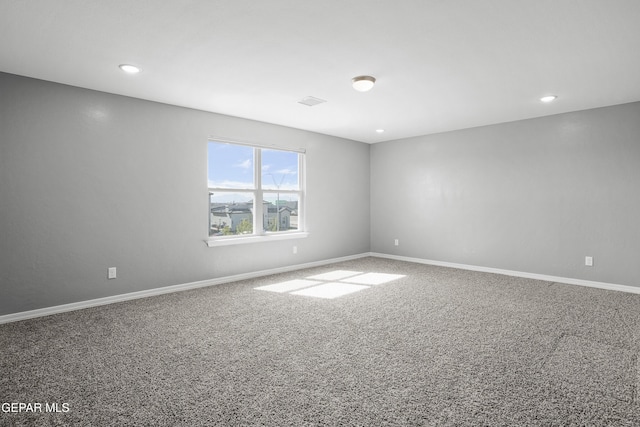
130 69
548 98
380 130
363 83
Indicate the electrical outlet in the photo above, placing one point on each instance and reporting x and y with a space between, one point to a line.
396 242
295 249
588 261
111 273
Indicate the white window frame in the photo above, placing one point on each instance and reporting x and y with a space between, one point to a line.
259 233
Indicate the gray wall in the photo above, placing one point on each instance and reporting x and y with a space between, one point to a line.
533 196
90 180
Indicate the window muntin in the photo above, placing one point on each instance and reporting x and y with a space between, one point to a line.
253 191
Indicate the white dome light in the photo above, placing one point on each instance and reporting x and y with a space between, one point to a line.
130 69
548 98
363 83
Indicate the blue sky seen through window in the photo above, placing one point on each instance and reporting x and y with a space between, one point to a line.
232 166
279 170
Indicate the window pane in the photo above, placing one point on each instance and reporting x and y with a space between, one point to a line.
280 212
230 166
234 197
230 214
279 170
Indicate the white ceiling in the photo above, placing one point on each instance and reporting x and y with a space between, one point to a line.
440 64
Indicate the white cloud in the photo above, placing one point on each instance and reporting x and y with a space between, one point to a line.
230 184
244 165
286 171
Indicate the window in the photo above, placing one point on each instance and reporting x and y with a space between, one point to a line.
254 191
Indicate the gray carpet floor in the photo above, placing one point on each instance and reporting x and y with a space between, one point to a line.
439 346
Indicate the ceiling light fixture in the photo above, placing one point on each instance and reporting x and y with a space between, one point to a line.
363 83
548 98
129 69
380 130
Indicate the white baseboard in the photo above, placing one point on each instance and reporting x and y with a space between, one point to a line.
47 311
544 277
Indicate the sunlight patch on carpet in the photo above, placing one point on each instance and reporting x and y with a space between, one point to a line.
289 285
330 290
373 278
332 284
335 275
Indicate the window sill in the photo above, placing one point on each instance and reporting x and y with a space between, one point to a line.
255 239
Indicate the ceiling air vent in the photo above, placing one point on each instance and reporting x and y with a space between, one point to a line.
311 101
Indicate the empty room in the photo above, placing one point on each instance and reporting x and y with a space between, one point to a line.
295 213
